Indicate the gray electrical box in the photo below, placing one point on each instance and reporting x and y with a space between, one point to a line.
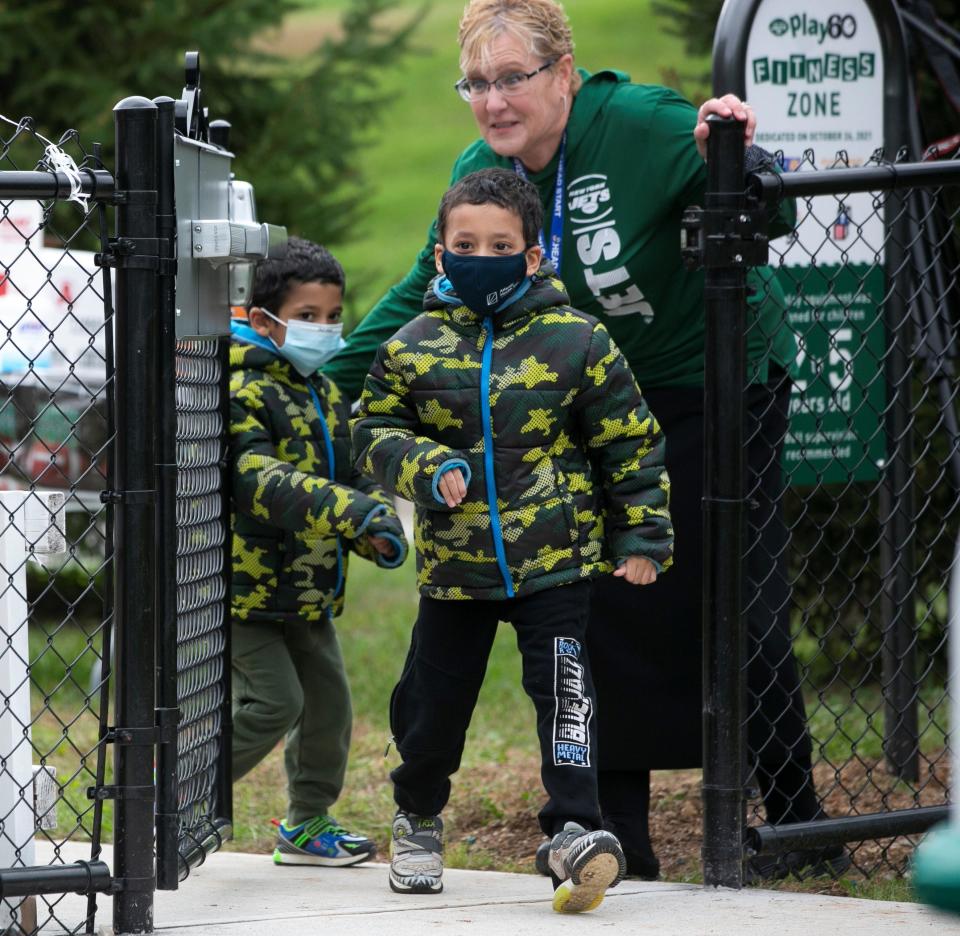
218 238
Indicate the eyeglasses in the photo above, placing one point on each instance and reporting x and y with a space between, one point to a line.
473 89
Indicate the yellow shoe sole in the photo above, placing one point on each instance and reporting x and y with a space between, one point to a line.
595 877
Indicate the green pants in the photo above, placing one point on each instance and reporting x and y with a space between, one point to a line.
289 682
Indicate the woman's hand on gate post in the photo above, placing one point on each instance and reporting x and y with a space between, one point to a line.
727 106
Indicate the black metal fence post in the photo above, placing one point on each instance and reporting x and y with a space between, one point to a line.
136 357
168 819
724 518
904 242
897 509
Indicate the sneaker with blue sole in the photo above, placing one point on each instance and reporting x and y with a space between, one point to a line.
320 841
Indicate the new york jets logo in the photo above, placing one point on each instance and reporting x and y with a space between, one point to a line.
779 27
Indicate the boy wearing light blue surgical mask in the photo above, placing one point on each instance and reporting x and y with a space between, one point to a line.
307 332
298 509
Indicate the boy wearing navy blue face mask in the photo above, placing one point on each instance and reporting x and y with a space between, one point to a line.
298 508
514 424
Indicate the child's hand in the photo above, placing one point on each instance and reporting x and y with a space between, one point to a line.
452 487
382 546
637 571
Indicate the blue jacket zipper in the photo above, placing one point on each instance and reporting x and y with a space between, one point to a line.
488 458
328 443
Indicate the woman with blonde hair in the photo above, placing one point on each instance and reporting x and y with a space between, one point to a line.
616 164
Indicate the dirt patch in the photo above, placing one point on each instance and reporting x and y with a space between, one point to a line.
493 815
491 820
513 836
493 810
864 787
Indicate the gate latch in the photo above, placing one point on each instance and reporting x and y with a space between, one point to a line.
130 253
722 237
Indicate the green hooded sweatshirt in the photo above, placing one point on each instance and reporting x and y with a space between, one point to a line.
631 169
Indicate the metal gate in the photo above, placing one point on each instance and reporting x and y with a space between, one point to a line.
841 538
114 524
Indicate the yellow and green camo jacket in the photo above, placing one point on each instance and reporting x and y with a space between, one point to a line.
294 519
563 460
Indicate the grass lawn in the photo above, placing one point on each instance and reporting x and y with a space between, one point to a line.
65 706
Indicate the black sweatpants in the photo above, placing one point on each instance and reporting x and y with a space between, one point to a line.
431 705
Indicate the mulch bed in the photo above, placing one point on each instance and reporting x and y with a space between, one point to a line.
493 811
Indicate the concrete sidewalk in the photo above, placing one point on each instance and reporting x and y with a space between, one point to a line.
242 895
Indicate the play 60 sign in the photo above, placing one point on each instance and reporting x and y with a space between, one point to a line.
815 79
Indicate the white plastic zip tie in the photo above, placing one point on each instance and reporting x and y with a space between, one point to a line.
59 161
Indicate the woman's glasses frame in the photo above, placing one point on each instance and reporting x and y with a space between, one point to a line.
475 89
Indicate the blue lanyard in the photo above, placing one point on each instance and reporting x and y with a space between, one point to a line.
327 441
556 222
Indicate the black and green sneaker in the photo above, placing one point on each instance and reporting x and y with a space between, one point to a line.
320 841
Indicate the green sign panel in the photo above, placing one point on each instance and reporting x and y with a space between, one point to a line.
815 76
836 431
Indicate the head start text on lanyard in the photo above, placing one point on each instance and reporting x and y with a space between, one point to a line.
556 222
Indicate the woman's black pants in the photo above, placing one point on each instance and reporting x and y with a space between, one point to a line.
646 643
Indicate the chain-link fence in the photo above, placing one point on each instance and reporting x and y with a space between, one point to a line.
845 409
113 524
855 532
56 550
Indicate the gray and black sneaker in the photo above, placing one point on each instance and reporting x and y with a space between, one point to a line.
583 865
416 854
643 865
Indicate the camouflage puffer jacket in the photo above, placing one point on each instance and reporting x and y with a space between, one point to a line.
296 500
564 462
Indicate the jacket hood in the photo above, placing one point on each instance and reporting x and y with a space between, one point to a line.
546 290
596 90
250 351
242 333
